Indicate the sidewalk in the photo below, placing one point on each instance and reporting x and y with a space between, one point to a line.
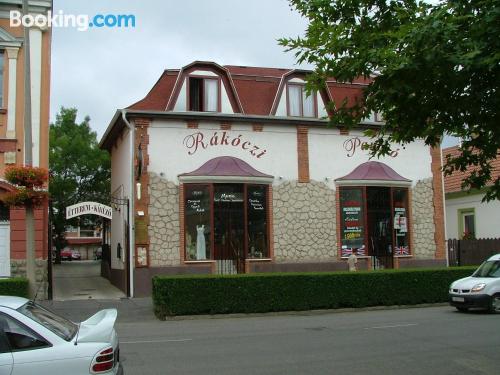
129 309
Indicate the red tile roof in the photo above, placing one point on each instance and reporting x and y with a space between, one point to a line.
453 182
256 88
84 240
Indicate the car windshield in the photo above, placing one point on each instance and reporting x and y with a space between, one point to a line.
490 268
62 327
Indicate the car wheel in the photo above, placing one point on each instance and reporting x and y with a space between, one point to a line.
462 309
495 304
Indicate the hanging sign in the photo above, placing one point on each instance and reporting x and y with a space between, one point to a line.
89 208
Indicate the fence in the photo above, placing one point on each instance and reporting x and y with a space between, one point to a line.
472 252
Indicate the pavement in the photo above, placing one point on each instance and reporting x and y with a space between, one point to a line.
81 280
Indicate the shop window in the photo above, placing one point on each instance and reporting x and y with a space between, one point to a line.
375 221
257 221
401 233
203 94
352 221
467 225
300 104
197 222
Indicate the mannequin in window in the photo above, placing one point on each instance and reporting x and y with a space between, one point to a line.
201 251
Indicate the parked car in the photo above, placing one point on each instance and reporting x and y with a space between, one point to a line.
34 340
481 290
69 254
98 253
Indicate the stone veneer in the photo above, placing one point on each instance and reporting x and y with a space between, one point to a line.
423 220
163 222
304 222
18 269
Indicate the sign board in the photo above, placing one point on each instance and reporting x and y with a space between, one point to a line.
89 208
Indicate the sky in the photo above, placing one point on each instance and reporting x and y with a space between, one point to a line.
101 70
104 69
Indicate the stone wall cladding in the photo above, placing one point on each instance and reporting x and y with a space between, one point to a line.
304 218
18 269
423 220
163 222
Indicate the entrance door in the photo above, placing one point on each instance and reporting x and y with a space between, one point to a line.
380 226
4 249
229 228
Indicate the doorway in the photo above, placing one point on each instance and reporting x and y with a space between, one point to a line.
229 228
380 226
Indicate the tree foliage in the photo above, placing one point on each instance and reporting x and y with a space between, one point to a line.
433 70
79 170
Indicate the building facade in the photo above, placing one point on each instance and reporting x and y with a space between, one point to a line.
234 170
12 148
467 217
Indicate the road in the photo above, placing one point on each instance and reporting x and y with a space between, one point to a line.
431 340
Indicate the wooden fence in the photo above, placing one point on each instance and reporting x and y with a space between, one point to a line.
472 252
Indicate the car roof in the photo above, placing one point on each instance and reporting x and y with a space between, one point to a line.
12 302
495 257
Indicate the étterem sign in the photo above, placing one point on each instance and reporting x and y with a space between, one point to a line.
89 208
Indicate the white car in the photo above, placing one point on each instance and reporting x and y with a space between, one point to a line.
481 290
34 340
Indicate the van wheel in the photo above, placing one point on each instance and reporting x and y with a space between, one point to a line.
495 304
462 309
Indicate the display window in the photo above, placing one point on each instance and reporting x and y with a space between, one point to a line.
374 221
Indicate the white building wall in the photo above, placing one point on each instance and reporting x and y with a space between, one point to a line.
120 188
169 155
487 216
332 155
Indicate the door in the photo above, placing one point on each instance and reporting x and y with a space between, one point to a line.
4 249
229 228
380 226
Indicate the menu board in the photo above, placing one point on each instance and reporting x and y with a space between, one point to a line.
352 218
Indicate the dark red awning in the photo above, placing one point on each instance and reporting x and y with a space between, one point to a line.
226 168
373 172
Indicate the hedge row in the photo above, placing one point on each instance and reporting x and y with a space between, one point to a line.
258 293
14 287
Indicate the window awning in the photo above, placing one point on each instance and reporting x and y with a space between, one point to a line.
226 169
373 173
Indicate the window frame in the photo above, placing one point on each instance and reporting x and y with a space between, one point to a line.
2 76
314 98
462 213
367 229
202 101
211 188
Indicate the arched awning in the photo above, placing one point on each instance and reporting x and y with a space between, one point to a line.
373 173
226 169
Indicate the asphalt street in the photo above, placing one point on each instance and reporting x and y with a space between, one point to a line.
430 340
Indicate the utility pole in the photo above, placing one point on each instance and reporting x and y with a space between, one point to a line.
28 159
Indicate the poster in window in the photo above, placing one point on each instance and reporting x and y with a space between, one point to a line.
400 222
257 221
352 221
197 223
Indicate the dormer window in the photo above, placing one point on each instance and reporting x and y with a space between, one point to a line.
204 94
299 103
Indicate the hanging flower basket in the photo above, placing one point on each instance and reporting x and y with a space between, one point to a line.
29 177
29 182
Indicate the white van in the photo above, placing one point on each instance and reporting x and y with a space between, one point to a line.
481 290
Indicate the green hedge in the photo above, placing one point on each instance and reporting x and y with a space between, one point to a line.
14 287
258 293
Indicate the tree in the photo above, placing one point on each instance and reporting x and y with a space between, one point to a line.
79 170
432 70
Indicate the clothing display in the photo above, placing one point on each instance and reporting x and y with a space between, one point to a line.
201 252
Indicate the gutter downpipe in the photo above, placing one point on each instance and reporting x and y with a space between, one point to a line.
444 209
131 231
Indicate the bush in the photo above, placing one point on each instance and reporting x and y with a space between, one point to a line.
259 293
14 287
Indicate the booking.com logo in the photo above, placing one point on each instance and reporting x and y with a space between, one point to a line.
82 22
